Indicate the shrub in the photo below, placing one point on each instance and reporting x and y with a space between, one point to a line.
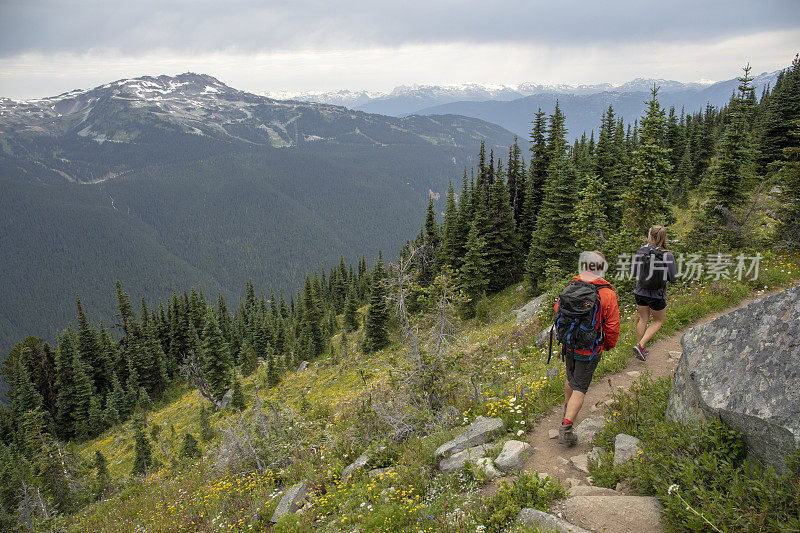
526 491
697 471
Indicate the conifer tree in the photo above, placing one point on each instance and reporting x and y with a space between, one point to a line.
536 180
376 334
787 231
448 251
247 358
350 317
646 201
102 477
781 111
502 249
143 449
206 431
238 401
517 184
190 448
474 273
589 228
550 241
727 180
125 316
311 329
215 356
92 353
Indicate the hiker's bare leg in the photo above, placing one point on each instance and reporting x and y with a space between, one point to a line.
641 325
652 329
567 392
574 404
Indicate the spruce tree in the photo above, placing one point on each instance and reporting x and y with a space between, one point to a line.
551 239
376 334
646 202
448 251
190 448
311 327
536 181
143 449
247 358
782 110
590 226
474 273
206 430
502 249
727 178
215 356
238 401
102 477
350 317
787 231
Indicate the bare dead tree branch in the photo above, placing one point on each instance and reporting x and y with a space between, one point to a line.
191 372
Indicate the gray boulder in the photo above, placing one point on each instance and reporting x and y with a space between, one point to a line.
458 460
543 338
742 368
625 448
351 469
302 366
486 465
620 514
535 518
514 456
587 428
530 309
479 432
291 501
226 400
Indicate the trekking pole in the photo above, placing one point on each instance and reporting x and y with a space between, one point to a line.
550 346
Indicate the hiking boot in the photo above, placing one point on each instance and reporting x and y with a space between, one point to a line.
640 353
566 436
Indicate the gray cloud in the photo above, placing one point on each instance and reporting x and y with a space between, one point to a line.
137 27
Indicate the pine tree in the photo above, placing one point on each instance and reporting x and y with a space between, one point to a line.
782 110
502 249
238 401
311 321
190 447
247 358
787 232
448 251
589 228
92 353
376 334
646 202
549 239
215 356
536 181
474 273
143 449
350 318
206 431
727 179
125 314
516 181
102 478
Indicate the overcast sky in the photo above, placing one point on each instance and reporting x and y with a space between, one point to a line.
49 47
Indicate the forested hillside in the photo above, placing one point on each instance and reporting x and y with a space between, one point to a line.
702 175
179 182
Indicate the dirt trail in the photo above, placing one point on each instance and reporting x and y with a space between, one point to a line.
553 458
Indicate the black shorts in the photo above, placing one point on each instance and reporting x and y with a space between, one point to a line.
656 304
579 373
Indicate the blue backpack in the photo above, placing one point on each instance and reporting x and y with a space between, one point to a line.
578 323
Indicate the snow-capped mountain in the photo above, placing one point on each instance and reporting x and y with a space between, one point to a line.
198 104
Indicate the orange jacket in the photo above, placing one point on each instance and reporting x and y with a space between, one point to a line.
609 311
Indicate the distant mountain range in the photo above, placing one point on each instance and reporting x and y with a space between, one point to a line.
513 106
166 182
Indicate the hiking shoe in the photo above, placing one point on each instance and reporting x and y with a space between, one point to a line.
640 353
566 436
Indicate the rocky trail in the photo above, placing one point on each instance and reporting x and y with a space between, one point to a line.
589 508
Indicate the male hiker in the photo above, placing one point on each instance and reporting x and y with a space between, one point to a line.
587 322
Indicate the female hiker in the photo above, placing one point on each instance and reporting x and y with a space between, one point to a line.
653 266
